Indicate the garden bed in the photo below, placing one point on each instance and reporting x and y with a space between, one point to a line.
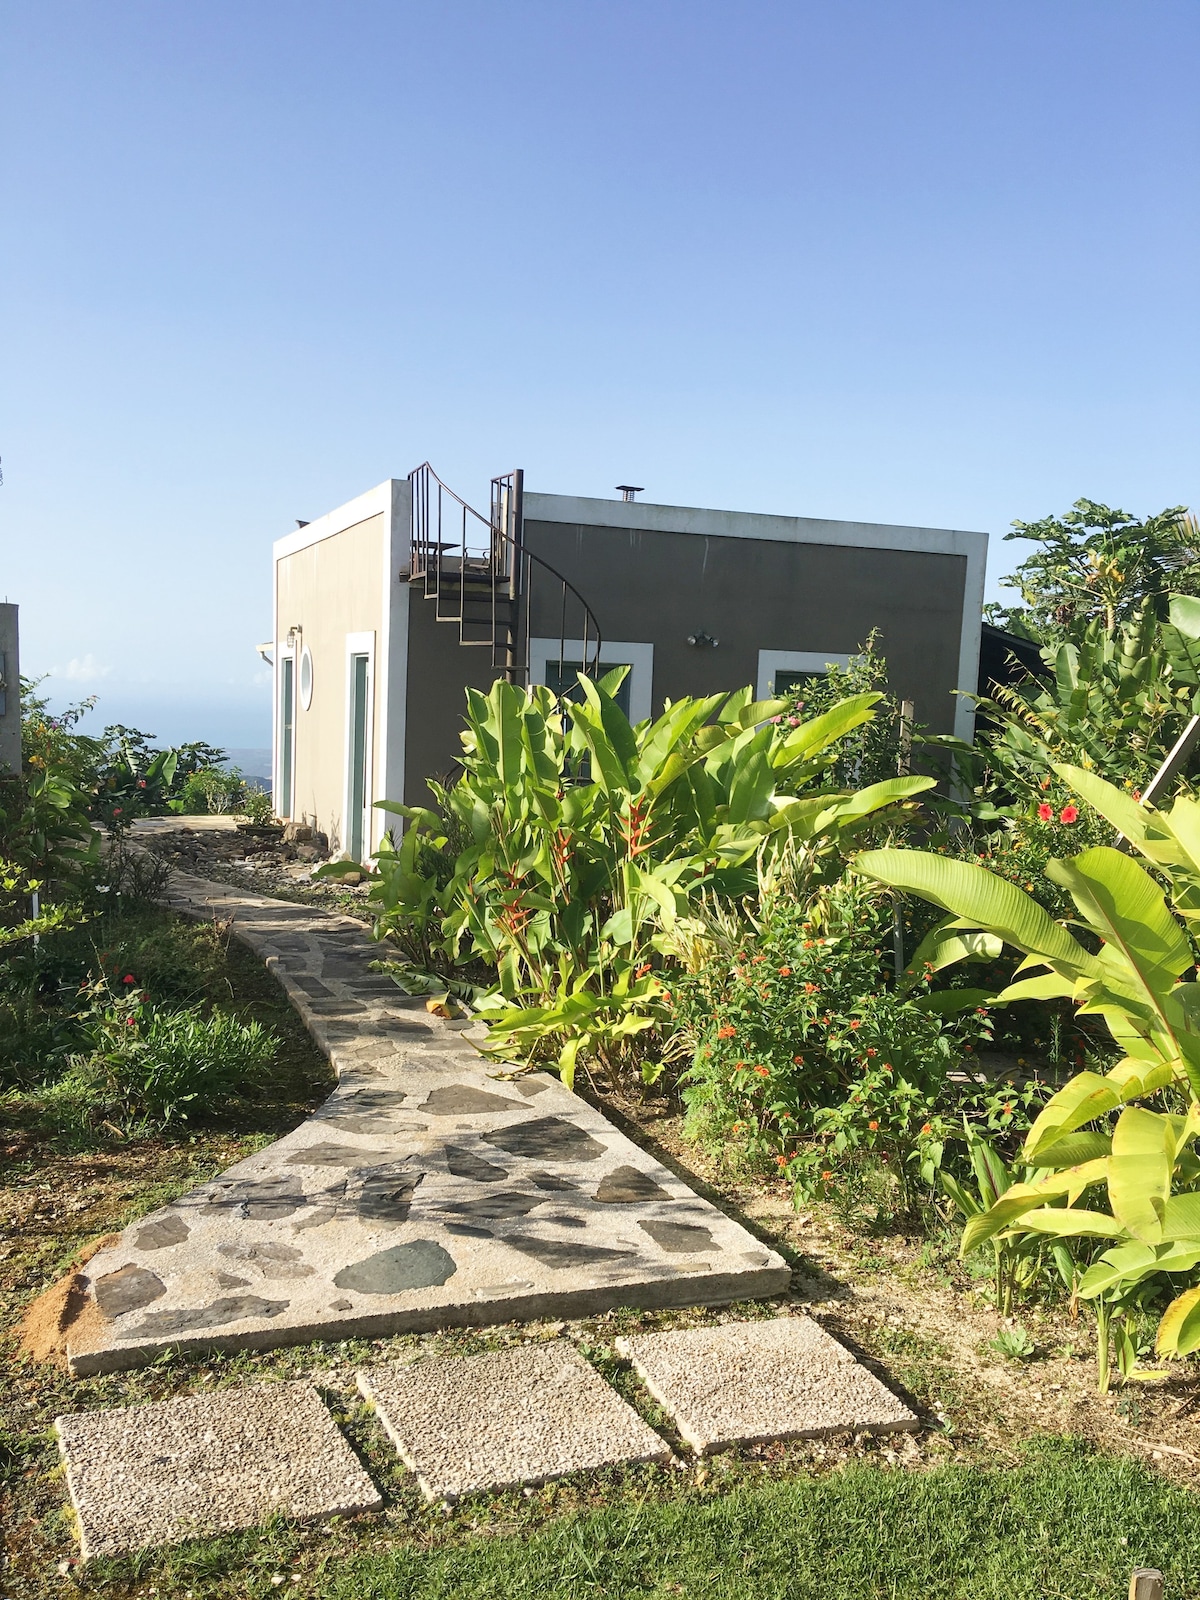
900 1301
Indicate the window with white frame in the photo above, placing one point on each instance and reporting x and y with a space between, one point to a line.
781 670
558 662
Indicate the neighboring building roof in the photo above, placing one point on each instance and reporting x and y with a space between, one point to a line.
1005 658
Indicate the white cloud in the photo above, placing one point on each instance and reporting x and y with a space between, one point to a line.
82 669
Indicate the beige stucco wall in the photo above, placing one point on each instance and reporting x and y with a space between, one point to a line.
330 589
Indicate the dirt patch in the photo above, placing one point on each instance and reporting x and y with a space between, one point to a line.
42 1331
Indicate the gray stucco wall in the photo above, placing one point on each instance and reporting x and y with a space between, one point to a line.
761 594
439 670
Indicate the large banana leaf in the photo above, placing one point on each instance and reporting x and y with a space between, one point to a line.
1022 1197
1139 1172
1087 1097
980 899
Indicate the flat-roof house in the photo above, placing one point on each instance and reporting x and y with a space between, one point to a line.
387 608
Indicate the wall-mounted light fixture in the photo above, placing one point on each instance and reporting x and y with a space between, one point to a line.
294 636
703 640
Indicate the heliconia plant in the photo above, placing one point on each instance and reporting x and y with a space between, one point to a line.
1141 980
578 836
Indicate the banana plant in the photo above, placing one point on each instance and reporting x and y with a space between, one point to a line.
1016 1261
579 836
1141 980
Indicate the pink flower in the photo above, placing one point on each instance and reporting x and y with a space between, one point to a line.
1069 814
1045 812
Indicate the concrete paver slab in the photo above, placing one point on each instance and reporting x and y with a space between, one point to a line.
520 1416
210 1463
424 1193
749 1382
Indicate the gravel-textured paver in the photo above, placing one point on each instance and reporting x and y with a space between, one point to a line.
424 1193
520 1416
210 1463
748 1382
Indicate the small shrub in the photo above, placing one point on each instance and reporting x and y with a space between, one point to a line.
1014 1344
212 791
163 1066
256 807
804 1054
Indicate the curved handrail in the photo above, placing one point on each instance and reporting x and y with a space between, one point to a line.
515 555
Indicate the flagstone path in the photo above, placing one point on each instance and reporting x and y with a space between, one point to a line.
207 1463
424 1193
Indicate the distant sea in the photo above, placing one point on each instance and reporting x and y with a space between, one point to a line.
252 763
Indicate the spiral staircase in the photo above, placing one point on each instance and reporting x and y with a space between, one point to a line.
483 580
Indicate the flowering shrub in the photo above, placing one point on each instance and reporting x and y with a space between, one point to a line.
157 1065
805 1056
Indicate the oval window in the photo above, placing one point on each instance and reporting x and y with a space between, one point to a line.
306 677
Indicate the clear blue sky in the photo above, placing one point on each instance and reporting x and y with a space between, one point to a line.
884 259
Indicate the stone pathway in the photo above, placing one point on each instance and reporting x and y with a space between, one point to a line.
209 1463
750 1382
468 1423
422 1194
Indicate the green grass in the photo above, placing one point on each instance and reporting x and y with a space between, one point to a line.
1063 1525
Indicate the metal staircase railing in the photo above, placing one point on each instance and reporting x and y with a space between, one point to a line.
481 577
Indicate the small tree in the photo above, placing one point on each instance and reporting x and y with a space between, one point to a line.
1096 564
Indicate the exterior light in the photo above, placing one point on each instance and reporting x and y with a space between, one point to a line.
703 640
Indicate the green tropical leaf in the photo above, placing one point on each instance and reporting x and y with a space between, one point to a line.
980 899
1179 1330
1070 1223
1139 1172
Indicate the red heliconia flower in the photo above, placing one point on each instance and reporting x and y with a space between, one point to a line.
1069 814
1045 812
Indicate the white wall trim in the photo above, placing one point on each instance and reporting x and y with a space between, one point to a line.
284 652
772 661
645 516
371 504
613 653
393 658
275 671
968 644
359 644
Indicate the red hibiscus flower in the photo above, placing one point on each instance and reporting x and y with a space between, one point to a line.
1069 814
1045 812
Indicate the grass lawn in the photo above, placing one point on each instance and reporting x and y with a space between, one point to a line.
1064 1524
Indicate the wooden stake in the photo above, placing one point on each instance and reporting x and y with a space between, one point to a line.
1146 1584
